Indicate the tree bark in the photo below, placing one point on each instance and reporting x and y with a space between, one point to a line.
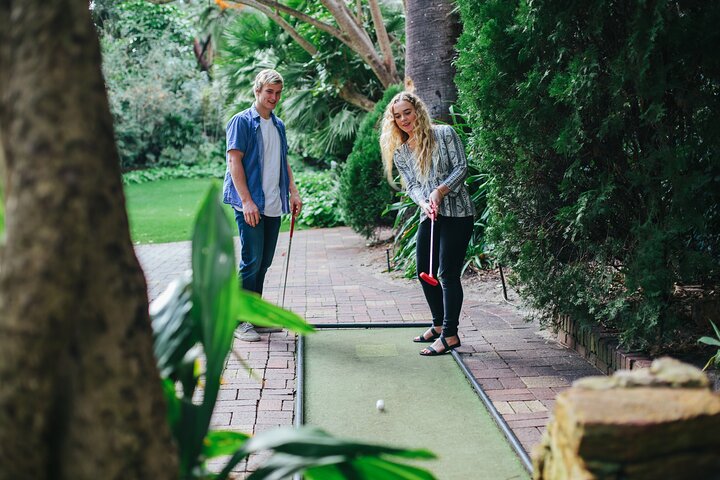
80 396
431 30
383 39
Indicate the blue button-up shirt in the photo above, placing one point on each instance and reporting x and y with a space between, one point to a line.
243 133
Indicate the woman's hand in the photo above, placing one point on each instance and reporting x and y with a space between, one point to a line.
432 206
429 209
436 198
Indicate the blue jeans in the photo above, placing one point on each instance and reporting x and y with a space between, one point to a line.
257 247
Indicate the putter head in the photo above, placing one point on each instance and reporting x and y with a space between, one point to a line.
429 279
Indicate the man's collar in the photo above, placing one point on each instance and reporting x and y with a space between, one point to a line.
256 114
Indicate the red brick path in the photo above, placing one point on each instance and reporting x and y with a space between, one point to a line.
331 280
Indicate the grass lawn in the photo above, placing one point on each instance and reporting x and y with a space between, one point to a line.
164 210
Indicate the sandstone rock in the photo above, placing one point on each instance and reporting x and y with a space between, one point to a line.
663 372
651 430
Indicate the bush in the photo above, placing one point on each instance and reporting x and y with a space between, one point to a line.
598 123
200 170
364 191
319 193
163 106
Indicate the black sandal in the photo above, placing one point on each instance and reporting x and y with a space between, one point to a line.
422 339
448 348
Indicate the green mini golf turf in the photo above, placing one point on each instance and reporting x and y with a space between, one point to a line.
428 402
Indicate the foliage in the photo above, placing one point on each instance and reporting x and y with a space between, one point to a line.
198 170
165 110
321 125
196 317
597 122
715 342
364 190
319 193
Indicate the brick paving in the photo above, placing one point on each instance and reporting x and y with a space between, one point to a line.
332 279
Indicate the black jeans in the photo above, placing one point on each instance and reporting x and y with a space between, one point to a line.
452 235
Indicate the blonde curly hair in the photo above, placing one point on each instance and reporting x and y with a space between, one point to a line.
391 137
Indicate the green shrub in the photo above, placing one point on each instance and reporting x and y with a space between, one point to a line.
164 108
199 170
598 124
319 193
364 191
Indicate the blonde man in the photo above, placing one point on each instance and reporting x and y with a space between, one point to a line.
259 183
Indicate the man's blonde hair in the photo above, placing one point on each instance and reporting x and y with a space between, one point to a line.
267 77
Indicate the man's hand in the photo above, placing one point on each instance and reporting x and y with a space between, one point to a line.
295 202
251 213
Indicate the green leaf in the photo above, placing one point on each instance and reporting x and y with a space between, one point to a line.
710 341
381 469
281 466
173 329
219 442
252 308
314 442
173 403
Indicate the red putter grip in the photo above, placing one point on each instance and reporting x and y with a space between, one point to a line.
292 221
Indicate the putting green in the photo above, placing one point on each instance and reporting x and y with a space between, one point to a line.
428 402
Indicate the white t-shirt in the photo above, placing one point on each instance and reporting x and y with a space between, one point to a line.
271 168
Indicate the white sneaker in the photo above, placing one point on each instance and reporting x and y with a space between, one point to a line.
246 332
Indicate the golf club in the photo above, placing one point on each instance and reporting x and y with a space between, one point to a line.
428 277
287 257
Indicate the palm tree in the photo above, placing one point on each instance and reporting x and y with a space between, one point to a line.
323 123
431 30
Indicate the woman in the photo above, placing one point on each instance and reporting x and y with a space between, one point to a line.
431 161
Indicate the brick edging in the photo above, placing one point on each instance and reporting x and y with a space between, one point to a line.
598 347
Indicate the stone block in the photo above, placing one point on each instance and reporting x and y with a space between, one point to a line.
638 424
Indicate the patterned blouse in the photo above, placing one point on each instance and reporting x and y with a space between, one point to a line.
449 167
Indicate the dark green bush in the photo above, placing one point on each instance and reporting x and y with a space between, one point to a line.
598 123
364 191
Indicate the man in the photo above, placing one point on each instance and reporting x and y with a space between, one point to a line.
259 184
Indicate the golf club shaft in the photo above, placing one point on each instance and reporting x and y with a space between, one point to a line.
287 259
432 237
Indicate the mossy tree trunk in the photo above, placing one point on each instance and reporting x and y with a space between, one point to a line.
431 30
80 396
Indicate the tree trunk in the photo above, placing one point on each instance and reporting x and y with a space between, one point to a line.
431 30
80 396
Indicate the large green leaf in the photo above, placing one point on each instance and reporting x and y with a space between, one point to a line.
173 328
219 443
252 308
298 449
381 469
315 442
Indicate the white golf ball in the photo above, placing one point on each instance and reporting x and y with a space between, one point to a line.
380 405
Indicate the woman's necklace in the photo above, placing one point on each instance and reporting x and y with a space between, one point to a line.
411 143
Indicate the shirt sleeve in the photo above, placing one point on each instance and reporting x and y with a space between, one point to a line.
458 161
236 134
407 172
